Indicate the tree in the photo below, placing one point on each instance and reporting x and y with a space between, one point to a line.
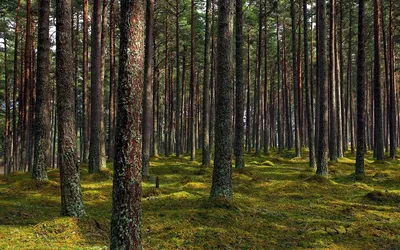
15 89
206 157
85 103
7 135
147 93
360 90
71 196
378 118
126 212
222 173
192 130
43 95
296 81
392 85
111 117
96 95
333 119
239 124
309 103
322 158
26 88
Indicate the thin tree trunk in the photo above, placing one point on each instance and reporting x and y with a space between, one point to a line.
266 123
148 88
239 124
178 146
7 135
85 109
96 114
206 156
360 91
192 129
378 118
25 97
296 80
322 158
392 92
309 106
111 118
333 119
43 96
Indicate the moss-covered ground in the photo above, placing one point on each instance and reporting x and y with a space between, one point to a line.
278 204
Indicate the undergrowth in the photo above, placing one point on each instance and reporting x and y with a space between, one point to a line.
278 204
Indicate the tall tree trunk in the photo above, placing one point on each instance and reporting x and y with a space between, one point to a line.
43 96
322 158
7 135
248 111
378 118
103 156
309 104
296 80
280 93
148 88
85 103
265 101
126 212
178 146
96 100
192 130
111 118
166 83
212 78
361 90
257 93
71 195
239 124
15 89
26 87
392 105
386 96
222 173
206 156
333 121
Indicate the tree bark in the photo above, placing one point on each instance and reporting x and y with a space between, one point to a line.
192 122
148 90
392 87
25 98
378 118
96 100
206 156
222 173
296 80
360 91
126 212
85 109
111 118
239 124
71 195
309 103
43 95
322 159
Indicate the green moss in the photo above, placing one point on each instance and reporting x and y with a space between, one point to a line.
278 203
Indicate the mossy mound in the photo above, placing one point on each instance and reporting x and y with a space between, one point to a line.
385 197
32 185
318 179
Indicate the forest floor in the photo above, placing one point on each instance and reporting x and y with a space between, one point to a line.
278 204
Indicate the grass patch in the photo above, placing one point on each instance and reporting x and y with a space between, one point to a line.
278 203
